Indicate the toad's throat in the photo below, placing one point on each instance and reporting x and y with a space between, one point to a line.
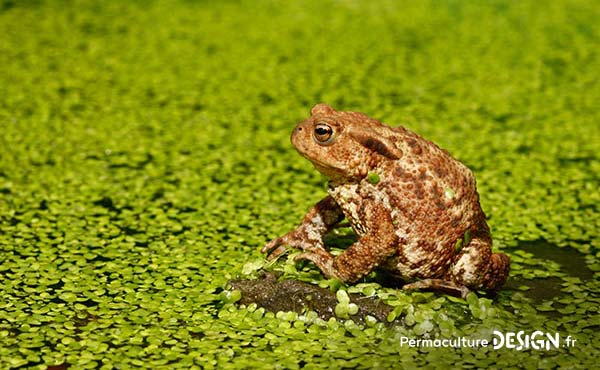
322 167
337 176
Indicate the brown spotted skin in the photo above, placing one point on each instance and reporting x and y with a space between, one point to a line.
408 201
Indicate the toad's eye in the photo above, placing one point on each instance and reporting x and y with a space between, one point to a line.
323 133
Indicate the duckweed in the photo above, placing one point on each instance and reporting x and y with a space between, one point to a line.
145 160
373 178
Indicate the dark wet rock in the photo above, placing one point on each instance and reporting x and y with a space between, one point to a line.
293 295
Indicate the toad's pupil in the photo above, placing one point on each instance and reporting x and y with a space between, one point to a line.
322 131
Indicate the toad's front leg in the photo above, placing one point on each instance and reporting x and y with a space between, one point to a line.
308 236
371 250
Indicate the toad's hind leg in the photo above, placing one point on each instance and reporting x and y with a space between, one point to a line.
478 268
439 285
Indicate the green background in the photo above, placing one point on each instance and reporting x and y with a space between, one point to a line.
145 160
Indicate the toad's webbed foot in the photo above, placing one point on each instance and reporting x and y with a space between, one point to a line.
278 246
442 285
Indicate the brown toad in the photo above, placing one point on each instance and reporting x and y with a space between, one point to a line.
411 204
